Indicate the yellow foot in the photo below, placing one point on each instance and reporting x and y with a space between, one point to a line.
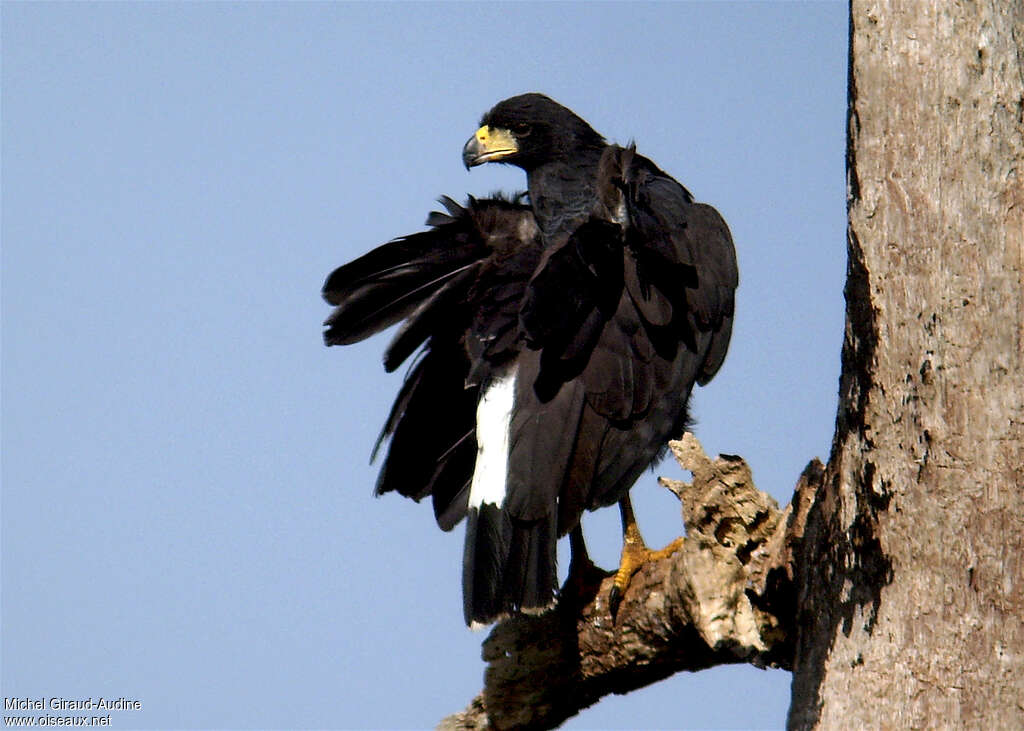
634 555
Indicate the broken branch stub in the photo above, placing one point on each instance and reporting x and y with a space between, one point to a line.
725 596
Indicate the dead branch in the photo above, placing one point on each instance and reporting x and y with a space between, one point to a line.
726 597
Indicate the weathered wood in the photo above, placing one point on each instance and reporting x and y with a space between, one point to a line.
724 597
911 609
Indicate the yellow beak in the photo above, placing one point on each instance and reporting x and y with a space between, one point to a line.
489 144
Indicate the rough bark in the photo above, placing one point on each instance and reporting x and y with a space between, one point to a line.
725 597
893 583
911 605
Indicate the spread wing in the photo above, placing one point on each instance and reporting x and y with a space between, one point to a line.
427 280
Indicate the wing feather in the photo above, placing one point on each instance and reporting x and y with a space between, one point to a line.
437 281
631 310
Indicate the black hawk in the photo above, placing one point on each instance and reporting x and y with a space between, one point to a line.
559 334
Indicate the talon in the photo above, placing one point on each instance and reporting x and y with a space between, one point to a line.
635 554
614 599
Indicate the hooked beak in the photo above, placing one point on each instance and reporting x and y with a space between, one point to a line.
489 145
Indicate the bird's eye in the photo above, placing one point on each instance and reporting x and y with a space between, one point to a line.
521 130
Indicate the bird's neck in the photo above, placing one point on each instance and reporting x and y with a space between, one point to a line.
563 193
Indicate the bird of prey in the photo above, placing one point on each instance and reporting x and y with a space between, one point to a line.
559 334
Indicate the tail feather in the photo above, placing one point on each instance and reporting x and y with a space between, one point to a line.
508 565
531 571
488 531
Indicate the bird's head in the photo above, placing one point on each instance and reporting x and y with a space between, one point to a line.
527 131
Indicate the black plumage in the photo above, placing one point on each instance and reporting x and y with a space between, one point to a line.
591 306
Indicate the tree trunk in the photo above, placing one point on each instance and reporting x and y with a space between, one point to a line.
893 583
911 605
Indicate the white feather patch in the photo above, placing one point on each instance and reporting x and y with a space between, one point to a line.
493 420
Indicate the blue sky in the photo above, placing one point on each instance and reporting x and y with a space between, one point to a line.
187 517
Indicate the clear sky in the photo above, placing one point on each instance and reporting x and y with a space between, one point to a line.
187 517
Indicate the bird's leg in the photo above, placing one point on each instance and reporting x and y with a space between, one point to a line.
579 557
635 554
585 576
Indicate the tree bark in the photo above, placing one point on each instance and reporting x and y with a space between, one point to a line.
893 583
911 605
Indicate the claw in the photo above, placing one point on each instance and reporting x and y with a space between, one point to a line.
635 554
614 600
